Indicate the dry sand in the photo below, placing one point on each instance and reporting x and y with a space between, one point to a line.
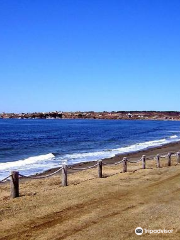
94 208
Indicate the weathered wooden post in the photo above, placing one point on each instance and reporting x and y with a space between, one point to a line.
124 164
169 159
64 175
100 168
178 157
158 160
14 182
144 162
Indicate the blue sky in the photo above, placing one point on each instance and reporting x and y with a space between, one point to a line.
85 55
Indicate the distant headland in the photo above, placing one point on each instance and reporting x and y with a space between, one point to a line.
130 115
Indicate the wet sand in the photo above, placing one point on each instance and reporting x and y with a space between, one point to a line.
150 153
93 208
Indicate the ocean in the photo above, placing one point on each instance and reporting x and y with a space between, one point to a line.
33 146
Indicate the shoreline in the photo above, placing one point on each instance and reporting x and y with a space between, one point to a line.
149 152
138 115
100 119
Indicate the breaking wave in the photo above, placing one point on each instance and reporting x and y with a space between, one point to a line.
37 164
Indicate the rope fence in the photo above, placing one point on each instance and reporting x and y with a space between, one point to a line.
15 175
110 164
79 169
41 177
5 179
135 161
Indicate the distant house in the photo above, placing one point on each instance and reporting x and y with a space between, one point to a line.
129 115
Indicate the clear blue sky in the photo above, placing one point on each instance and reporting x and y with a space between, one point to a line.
89 55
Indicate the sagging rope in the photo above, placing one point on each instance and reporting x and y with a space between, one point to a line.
134 161
90 167
110 164
73 168
163 156
40 177
171 154
5 179
119 162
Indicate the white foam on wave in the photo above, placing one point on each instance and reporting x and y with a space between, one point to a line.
93 156
174 136
37 164
28 166
26 162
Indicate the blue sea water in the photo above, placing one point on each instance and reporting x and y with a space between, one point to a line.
33 146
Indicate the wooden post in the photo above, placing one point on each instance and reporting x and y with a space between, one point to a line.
64 175
158 161
125 164
14 182
144 162
169 159
178 157
100 168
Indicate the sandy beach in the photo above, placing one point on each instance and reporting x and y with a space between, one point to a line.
89 120
93 208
